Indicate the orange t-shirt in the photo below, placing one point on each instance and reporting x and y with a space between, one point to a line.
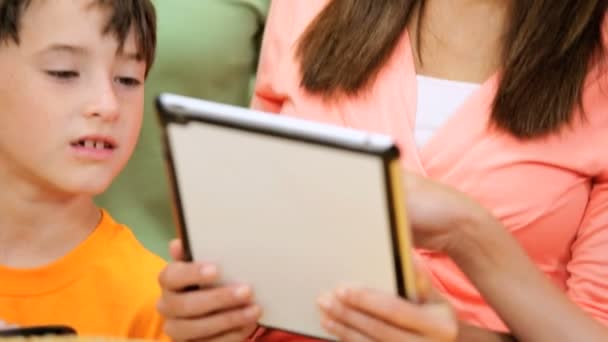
107 286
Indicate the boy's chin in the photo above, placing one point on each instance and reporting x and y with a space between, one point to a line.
88 188
88 191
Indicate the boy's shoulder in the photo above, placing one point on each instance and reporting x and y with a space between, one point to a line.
125 262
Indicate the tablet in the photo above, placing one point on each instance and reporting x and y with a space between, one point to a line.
293 208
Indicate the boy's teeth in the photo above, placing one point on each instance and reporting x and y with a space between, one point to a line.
94 144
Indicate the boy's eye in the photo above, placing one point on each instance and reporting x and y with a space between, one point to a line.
63 74
129 81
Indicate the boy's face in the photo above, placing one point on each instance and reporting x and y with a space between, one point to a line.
70 104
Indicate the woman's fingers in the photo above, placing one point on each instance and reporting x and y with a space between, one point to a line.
424 287
340 330
432 319
352 324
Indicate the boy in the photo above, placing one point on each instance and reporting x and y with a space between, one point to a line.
71 103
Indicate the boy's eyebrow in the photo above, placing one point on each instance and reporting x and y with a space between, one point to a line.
81 50
78 50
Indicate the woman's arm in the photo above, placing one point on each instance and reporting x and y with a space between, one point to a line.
532 307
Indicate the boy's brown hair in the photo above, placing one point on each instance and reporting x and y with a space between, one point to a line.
139 14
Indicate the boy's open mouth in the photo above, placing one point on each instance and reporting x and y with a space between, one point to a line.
92 143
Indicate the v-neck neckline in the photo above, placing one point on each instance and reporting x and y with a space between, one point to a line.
468 121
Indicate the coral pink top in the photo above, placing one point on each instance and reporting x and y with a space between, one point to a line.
551 194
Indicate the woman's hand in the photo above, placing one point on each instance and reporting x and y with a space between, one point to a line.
209 312
358 314
443 218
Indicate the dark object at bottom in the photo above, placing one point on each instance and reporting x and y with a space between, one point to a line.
41 330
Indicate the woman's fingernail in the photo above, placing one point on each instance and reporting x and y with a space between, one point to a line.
328 324
208 270
252 312
342 292
325 302
242 292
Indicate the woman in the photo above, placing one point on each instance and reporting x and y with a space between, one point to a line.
502 100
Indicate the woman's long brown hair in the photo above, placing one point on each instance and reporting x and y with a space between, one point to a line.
548 49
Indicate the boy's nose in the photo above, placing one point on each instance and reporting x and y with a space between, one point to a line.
104 102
